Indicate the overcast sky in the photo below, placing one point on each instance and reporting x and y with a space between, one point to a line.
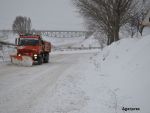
44 14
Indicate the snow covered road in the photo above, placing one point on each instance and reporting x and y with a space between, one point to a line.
111 80
22 87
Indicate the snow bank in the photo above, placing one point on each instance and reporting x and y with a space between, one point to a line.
89 42
126 65
8 37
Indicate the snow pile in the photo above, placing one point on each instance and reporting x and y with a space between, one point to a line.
8 37
89 42
126 65
6 50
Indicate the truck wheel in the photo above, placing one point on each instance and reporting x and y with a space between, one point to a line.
46 58
40 60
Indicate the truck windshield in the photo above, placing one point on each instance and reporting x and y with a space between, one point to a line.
28 41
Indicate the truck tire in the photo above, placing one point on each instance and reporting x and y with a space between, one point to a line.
40 60
46 57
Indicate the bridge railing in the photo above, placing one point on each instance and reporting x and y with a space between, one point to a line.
57 33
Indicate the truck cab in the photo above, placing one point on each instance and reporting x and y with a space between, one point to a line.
34 47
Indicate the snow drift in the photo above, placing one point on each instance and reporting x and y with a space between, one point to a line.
126 64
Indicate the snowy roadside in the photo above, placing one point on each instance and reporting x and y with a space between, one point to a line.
80 89
111 81
125 67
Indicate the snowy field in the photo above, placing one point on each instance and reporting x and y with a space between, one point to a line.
83 81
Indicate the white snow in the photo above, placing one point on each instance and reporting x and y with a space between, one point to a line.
81 81
88 43
73 42
125 67
64 42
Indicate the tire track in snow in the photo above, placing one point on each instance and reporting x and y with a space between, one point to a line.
21 93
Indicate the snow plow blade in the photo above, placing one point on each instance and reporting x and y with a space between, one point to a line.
22 60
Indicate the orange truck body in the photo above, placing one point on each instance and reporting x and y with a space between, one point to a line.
33 47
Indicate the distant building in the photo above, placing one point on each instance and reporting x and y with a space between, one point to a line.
146 21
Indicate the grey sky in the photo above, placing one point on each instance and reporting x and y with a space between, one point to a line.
44 14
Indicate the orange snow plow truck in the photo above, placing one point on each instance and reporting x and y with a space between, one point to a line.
31 49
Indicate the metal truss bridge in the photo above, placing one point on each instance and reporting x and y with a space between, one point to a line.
57 33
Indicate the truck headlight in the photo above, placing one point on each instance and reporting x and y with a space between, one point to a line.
35 55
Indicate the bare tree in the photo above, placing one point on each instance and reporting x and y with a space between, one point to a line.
137 23
108 16
21 25
142 15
